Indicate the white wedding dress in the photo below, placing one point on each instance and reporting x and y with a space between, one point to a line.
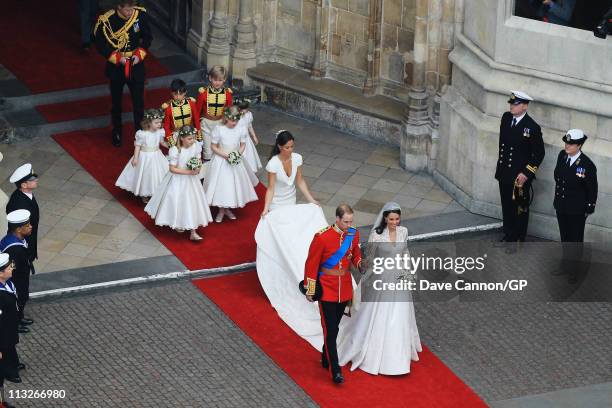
283 237
381 337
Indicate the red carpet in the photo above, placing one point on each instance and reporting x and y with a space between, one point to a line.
430 384
89 108
225 244
41 46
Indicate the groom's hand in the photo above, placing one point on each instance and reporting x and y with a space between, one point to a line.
309 297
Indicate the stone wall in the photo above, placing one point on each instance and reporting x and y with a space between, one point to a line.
364 43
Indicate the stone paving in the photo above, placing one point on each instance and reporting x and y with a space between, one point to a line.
83 225
155 346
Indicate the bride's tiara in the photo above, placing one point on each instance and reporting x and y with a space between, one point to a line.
279 132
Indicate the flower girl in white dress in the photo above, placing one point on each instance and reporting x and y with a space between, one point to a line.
180 202
148 165
246 123
229 182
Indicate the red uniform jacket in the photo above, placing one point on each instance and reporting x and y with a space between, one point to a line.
212 102
174 118
324 244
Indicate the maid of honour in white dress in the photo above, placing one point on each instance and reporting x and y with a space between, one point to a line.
246 124
148 166
179 202
283 236
229 186
381 336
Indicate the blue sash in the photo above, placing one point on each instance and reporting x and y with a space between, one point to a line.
339 254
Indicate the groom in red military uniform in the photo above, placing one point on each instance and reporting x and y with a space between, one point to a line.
331 253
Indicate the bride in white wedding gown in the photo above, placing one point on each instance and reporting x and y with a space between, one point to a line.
283 237
381 336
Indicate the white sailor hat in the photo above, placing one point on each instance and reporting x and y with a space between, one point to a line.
574 136
4 261
517 97
18 217
22 174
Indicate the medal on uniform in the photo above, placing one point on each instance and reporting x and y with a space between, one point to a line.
581 172
526 132
136 27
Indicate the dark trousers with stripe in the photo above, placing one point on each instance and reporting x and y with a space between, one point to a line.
515 224
136 92
331 314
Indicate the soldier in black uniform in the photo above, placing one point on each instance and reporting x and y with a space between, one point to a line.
23 199
123 36
8 328
521 150
16 246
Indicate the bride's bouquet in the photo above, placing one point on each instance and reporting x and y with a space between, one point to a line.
194 163
234 158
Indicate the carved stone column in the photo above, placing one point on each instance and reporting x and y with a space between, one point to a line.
320 49
244 51
416 139
217 45
199 27
374 39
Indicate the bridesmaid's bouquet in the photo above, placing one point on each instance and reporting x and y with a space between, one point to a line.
234 158
194 163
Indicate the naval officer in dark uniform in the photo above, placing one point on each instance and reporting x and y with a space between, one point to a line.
123 36
575 199
521 150
9 360
15 245
575 187
23 198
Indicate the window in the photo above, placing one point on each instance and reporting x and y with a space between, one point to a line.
583 14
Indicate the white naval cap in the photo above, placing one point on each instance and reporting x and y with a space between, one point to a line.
574 136
517 97
23 173
18 217
4 261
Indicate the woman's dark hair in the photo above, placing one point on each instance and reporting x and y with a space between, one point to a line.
282 138
383 223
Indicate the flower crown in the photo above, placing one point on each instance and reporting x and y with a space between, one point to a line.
152 114
230 116
187 131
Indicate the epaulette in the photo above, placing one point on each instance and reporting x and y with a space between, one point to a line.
324 229
192 99
201 89
106 16
141 8
165 105
103 19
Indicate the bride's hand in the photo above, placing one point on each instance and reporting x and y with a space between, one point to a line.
315 202
264 212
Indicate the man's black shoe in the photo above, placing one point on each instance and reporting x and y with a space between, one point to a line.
20 366
117 139
26 322
16 380
338 378
23 329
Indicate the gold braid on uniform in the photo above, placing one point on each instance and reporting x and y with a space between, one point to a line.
117 39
